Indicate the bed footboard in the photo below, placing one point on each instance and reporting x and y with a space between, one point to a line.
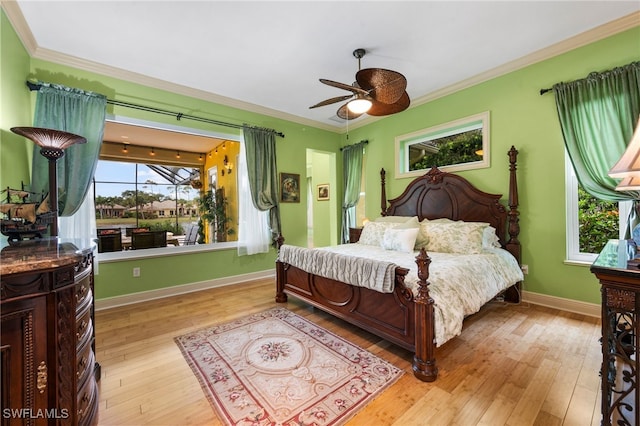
398 317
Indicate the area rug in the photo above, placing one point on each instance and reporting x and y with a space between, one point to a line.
278 368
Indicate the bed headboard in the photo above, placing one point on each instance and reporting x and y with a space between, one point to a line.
439 194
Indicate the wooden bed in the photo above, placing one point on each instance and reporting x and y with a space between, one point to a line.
402 317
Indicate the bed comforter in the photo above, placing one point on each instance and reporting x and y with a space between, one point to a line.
460 283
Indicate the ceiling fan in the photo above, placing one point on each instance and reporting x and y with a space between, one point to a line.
376 91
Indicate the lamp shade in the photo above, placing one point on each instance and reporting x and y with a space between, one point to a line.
628 167
49 138
359 105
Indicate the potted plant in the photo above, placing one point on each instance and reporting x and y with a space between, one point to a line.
213 209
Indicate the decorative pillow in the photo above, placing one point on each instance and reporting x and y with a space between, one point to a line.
372 232
490 238
411 223
395 219
454 237
400 239
423 238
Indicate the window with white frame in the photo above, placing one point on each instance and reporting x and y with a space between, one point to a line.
580 220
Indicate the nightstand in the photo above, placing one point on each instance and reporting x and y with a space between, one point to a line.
354 234
620 287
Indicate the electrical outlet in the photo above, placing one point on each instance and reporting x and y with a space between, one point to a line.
525 269
136 272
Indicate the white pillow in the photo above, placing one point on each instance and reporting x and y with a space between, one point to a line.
395 219
454 237
490 239
372 232
400 239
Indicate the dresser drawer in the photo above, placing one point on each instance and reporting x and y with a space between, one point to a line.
83 291
84 326
85 361
87 405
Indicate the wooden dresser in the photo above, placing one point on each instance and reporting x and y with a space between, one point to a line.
48 368
619 276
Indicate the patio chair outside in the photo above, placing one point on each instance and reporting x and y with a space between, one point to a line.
150 239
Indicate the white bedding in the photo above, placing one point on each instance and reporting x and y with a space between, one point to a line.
460 283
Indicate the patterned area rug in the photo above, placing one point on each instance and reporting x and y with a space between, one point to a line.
277 368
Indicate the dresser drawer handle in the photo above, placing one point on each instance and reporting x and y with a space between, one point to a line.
81 328
82 366
81 293
41 381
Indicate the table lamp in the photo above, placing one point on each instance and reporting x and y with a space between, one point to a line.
52 144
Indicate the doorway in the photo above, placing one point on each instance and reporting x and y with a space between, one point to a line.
322 199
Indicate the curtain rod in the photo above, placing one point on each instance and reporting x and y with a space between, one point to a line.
362 141
178 115
595 74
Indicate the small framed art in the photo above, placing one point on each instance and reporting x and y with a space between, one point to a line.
289 188
323 192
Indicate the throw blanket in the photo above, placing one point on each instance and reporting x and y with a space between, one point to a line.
373 274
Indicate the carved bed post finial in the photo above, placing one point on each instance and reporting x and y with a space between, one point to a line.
383 193
424 360
513 245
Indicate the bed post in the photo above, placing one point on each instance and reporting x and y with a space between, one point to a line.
424 360
281 296
383 194
513 245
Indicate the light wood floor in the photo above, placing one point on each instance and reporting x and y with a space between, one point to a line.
512 365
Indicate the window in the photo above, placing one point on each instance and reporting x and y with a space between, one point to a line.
457 145
152 175
134 195
590 223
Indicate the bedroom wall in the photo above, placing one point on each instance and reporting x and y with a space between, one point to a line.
15 109
520 116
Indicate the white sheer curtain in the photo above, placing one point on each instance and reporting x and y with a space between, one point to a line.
254 235
82 224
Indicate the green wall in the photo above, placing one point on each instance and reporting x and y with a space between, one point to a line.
519 116
15 108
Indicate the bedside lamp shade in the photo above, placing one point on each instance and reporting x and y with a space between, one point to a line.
628 167
52 144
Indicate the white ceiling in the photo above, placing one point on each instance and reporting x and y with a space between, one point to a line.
267 56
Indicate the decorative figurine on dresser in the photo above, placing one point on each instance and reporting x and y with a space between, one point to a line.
617 269
47 340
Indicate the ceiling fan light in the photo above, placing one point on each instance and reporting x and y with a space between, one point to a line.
359 105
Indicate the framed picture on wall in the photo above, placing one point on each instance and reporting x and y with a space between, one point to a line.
323 192
289 188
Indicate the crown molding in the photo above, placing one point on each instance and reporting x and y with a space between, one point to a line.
24 33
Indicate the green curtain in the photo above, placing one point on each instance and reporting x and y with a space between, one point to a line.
352 175
598 115
74 111
260 146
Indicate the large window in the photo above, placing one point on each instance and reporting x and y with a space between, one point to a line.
133 196
590 222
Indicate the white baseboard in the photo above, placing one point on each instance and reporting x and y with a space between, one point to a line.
590 309
144 296
569 305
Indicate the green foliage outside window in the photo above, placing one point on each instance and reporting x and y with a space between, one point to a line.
598 221
455 149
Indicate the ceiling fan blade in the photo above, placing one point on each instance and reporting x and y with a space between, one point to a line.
383 85
379 108
353 89
331 101
345 114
